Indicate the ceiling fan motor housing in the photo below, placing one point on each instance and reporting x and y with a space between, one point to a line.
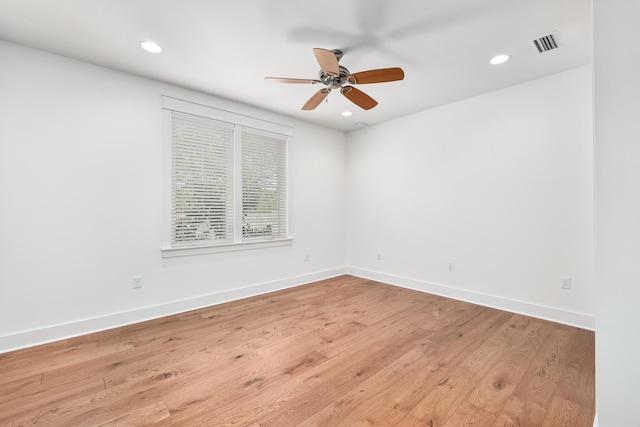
334 82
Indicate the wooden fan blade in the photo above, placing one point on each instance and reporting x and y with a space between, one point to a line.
327 60
316 99
286 80
358 97
376 76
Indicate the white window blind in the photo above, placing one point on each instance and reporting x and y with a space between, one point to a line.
226 182
201 181
264 185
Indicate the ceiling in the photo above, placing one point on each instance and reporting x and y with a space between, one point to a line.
226 48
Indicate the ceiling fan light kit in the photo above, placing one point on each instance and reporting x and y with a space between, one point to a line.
335 76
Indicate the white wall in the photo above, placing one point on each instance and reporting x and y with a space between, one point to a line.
617 160
81 204
501 184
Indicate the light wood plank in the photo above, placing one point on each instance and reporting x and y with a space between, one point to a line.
577 384
470 415
521 413
495 389
150 414
453 386
565 413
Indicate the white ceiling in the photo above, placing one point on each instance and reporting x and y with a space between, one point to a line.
226 48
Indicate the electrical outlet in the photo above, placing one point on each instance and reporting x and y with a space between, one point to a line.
137 282
565 282
450 265
379 256
306 257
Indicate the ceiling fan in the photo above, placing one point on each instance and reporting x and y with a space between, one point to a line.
335 76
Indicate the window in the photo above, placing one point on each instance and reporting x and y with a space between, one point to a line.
226 180
201 181
264 201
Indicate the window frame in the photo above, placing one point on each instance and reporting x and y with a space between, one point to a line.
239 121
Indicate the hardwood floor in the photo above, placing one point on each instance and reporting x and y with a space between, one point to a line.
344 351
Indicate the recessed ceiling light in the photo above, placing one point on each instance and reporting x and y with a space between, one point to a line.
499 59
150 46
347 113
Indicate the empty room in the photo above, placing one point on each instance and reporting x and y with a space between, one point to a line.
292 213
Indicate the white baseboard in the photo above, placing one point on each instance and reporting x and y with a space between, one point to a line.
580 320
53 333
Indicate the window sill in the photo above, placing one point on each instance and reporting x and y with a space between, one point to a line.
231 247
